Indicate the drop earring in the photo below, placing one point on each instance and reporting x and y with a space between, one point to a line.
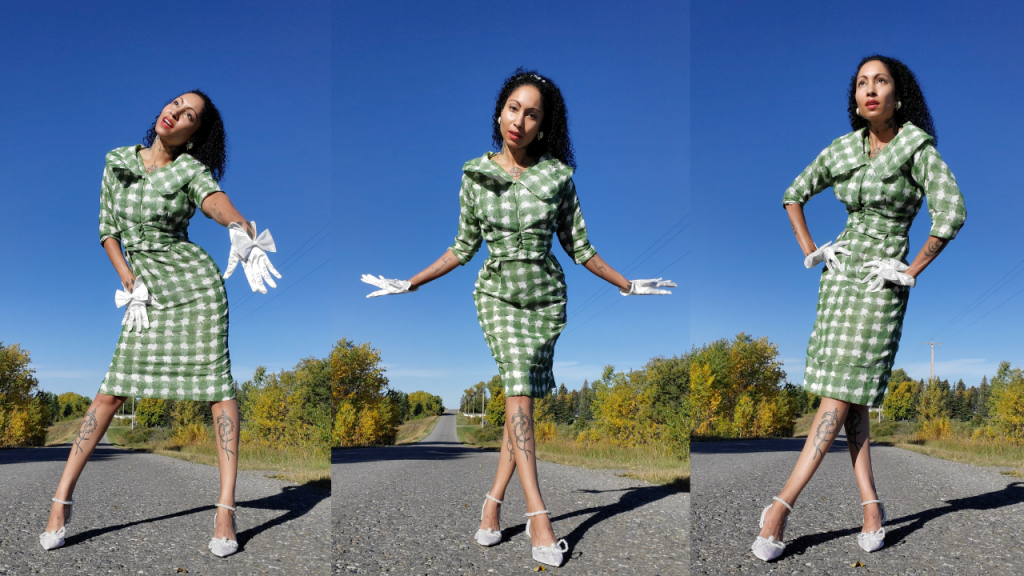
540 135
898 104
189 147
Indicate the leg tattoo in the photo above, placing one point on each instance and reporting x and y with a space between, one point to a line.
508 437
522 425
854 428
225 429
828 425
88 427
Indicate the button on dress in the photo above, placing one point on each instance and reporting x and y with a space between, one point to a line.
183 355
520 291
857 333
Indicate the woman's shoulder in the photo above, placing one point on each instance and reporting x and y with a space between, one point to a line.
848 140
120 157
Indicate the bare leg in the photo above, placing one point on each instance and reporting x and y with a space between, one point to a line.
519 421
94 426
858 430
824 429
225 424
506 467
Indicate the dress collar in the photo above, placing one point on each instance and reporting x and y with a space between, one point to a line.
544 179
850 151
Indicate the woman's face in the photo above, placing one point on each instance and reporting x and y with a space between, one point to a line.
521 117
179 119
876 93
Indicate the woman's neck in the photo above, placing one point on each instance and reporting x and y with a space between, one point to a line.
880 133
515 157
161 154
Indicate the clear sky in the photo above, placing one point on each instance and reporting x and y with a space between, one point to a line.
80 79
413 92
769 93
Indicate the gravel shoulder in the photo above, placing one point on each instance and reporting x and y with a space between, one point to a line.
140 513
413 509
944 517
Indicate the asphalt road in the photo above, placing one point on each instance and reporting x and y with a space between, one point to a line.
944 517
413 509
138 513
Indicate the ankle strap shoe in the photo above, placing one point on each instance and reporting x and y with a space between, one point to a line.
488 537
222 546
769 548
552 554
872 541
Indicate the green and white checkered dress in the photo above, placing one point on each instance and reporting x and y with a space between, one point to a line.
857 333
183 355
520 292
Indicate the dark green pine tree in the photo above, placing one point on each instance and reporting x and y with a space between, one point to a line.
961 403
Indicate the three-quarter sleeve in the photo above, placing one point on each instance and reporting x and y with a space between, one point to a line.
945 202
108 222
200 186
469 237
812 180
571 230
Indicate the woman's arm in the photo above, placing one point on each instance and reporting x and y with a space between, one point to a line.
602 270
219 207
445 264
113 248
928 252
803 235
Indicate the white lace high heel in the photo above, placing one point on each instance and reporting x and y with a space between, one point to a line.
488 537
222 546
872 541
550 554
769 548
55 539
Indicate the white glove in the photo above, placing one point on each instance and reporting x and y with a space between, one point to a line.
648 287
827 254
387 286
136 300
887 270
253 256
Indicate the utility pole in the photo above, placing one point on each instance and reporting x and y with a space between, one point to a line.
483 410
933 344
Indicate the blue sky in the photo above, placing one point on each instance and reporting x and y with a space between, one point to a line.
769 93
413 92
81 80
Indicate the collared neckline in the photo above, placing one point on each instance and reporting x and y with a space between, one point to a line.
543 179
128 158
851 151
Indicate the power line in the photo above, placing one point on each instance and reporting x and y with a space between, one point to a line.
620 299
285 264
279 294
629 267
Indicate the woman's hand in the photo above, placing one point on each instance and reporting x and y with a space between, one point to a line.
827 253
387 286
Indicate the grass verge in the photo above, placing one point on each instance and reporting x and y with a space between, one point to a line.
645 464
302 466
415 430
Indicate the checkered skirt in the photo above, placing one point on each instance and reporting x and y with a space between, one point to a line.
184 353
857 333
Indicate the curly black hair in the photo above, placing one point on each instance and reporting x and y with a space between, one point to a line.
913 107
209 142
555 125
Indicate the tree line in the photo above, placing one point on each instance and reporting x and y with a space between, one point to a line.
367 411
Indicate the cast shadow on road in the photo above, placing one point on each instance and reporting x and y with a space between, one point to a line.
295 501
1009 496
748 446
56 453
632 499
418 451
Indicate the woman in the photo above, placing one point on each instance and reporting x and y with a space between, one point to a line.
881 171
517 200
174 344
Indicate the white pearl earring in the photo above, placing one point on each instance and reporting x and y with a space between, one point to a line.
898 104
189 147
540 135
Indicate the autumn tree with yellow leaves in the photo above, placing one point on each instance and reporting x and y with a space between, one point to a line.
737 389
364 408
24 417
